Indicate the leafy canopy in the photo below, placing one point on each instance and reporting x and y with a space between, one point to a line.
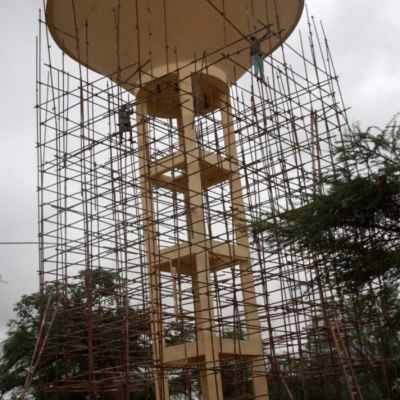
18 347
354 226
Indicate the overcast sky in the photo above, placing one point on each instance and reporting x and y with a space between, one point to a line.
364 40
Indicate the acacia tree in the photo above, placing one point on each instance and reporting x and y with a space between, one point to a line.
372 340
18 347
352 230
354 226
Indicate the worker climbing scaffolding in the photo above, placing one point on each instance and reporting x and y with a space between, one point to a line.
124 123
124 115
257 55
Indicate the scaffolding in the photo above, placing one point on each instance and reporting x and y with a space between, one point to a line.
152 282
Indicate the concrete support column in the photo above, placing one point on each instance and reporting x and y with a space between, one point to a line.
211 384
151 239
260 387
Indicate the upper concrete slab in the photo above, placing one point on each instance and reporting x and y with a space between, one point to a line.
162 35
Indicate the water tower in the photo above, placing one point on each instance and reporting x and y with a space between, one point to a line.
179 59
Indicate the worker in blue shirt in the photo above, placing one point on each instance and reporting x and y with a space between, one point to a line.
257 55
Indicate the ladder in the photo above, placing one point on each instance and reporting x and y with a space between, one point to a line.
345 362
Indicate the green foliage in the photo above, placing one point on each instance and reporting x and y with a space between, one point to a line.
178 333
351 230
354 227
17 348
70 315
372 341
371 153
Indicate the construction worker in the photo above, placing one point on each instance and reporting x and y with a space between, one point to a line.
124 115
257 55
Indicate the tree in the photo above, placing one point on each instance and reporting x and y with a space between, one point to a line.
351 230
18 348
371 340
69 318
354 226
